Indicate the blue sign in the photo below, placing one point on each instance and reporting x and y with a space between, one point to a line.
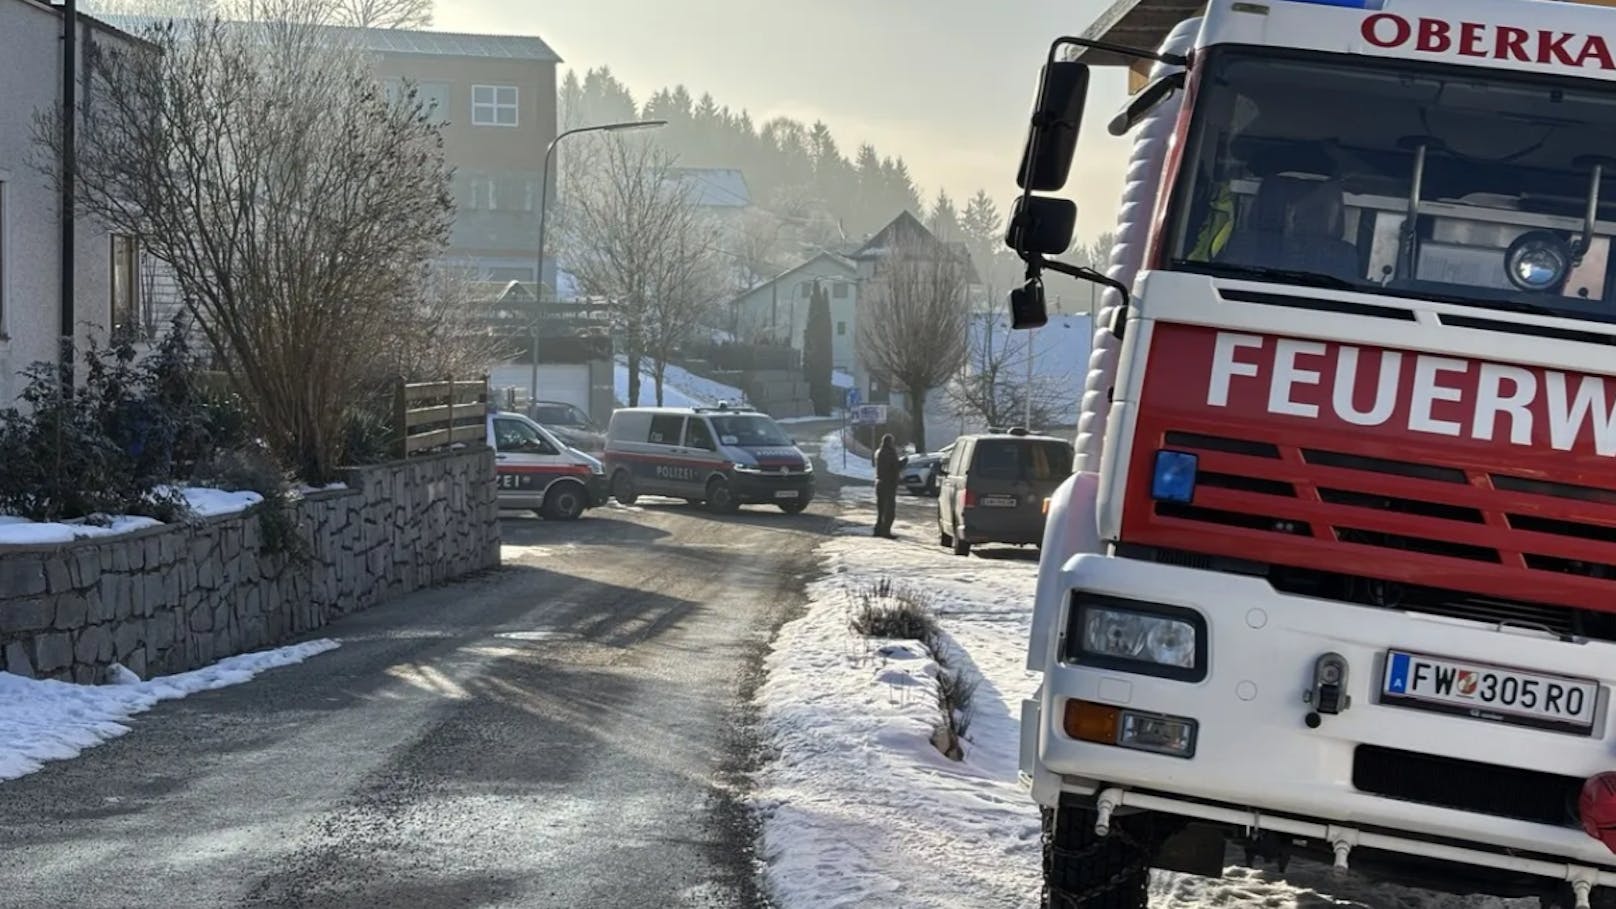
852 398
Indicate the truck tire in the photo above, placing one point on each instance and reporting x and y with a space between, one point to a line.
1083 870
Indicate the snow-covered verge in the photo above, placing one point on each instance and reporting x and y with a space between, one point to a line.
858 808
835 453
44 721
680 387
203 502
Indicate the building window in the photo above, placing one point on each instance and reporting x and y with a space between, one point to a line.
125 311
841 329
839 290
805 290
493 105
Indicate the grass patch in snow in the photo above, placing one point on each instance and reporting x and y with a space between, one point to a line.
885 609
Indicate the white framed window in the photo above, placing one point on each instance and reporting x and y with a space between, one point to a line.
494 105
839 290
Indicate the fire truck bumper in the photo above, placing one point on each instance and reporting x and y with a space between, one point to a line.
1240 738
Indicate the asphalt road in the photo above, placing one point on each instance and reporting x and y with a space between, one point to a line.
568 731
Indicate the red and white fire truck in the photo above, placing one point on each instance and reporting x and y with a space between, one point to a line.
1336 575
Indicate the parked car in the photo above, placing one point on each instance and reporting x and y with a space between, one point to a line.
921 471
571 424
536 470
995 488
722 456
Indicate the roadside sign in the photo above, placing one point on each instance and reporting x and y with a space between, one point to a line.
852 398
870 414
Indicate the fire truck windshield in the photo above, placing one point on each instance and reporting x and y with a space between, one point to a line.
1305 169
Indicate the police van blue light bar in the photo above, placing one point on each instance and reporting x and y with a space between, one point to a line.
1174 477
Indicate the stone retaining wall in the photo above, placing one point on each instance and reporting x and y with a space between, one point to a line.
178 597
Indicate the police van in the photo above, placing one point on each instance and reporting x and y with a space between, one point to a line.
537 471
723 457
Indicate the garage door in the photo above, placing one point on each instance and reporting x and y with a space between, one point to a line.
565 382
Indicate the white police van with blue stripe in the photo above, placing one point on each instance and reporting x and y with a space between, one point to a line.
723 457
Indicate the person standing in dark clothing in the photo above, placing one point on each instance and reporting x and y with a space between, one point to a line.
887 464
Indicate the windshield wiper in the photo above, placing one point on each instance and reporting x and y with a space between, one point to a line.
1263 273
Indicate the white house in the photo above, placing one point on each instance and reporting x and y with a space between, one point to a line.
777 310
106 289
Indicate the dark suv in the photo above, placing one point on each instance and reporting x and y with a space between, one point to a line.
995 487
571 424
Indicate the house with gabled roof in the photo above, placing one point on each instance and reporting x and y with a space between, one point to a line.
776 311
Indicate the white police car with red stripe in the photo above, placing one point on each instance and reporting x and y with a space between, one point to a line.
536 471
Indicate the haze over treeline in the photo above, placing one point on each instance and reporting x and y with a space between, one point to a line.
801 171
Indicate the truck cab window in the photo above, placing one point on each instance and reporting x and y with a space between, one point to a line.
1303 164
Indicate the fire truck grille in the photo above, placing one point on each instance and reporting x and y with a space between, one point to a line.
1525 795
1484 534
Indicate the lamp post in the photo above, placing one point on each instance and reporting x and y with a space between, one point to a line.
544 200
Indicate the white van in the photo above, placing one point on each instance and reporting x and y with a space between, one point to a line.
722 456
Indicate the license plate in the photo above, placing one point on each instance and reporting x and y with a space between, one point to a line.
1488 692
787 494
998 501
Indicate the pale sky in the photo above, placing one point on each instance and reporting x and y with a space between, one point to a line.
947 84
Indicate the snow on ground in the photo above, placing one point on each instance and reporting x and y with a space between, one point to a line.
44 721
680 388
203 502
860 809
832 450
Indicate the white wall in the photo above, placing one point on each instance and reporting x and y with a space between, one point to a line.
30 289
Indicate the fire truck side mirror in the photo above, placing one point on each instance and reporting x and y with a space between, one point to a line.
1057 116
1041 225
1027 308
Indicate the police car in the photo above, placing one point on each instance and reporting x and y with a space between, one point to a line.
536 471
723 457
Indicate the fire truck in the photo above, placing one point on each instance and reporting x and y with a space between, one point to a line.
1335 576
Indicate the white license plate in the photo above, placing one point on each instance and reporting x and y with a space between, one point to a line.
1488 692
787 494
998 501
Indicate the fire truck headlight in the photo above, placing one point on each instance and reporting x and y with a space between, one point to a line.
1174 477
1169 642
1537 261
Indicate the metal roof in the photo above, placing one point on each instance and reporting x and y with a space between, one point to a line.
1143 24
451 44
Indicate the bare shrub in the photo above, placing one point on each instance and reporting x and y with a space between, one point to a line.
882 609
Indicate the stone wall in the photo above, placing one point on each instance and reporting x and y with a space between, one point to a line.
178 597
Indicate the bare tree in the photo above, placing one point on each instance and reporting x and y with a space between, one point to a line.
628 230
449 334
294 203
995 387
913 329
383 13
684 286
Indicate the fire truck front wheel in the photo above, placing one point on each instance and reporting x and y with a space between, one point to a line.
1083 870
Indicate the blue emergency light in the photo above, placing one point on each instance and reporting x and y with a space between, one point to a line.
1174 477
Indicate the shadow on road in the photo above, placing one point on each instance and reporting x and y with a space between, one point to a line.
598 528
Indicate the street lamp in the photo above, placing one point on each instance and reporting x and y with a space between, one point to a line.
544 200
